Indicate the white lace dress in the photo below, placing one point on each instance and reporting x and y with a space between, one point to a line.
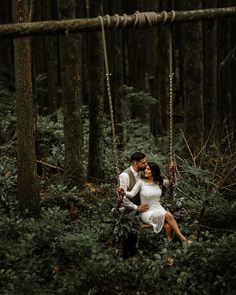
150 194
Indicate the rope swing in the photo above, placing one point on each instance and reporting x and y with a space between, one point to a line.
115 150
172 164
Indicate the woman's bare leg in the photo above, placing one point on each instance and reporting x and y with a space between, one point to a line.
169 218
167 229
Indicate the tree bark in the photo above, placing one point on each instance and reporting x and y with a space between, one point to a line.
28 189
193 80
210 75
233 76
117 74
152 59
96 104
224 76
163 74
139 68
70 58
93 24
39 63
85 56
51 58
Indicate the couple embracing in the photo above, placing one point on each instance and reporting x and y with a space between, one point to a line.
143 185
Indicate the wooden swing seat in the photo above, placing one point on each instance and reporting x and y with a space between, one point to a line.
144 225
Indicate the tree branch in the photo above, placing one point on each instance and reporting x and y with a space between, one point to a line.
138 19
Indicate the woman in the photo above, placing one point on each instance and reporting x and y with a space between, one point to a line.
150 190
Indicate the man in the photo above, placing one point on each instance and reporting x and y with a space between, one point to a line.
130 176
127 179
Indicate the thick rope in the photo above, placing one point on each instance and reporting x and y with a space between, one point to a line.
110 100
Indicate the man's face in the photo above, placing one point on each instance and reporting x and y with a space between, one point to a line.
142 164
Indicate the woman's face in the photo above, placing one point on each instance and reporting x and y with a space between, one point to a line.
147 172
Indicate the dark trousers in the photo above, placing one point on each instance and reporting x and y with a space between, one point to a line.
129 245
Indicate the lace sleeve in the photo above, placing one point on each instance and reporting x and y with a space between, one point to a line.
135 189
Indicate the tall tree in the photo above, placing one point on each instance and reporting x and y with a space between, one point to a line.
139 47
233 76
28 189
70 62
116 68
6 47
45 59
39 62
163 71
210 74
224 73
96 104
85 54
193 78
154 74
51 57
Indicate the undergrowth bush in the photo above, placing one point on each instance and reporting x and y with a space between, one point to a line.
53 255
75 247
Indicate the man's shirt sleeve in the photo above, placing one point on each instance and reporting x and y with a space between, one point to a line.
124 181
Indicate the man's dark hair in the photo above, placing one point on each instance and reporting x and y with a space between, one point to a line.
137 156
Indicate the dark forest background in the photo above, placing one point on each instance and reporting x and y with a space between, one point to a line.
57 155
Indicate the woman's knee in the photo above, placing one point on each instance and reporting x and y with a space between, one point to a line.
168 216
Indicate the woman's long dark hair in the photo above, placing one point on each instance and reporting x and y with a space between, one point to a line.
156 173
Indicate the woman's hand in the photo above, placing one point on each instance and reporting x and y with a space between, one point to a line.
143 208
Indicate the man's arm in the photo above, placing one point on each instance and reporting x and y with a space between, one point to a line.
124 181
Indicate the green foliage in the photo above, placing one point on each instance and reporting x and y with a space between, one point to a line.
7 99
81 253
8 181
121 224
50 141
54 255
138 103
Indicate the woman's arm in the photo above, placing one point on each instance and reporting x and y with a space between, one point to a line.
135 190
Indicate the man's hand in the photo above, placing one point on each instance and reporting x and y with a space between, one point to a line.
120 190
143 208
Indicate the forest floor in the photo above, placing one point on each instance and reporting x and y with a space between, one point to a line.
77 245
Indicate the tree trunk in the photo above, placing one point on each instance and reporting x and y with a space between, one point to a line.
193 80
210 75
86 56
96 105
51 58
233 76
117 77
154 74
28 189
70 58
163 73
39 63
139 73
224 75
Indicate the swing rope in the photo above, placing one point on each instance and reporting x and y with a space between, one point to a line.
115 150
172 165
